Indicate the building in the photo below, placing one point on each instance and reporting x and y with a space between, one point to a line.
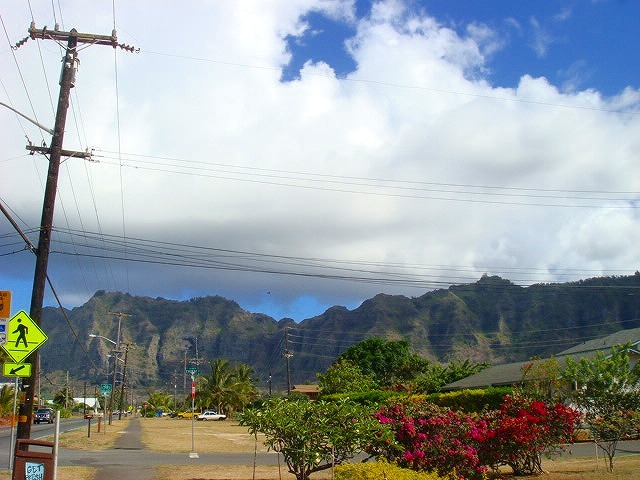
510 374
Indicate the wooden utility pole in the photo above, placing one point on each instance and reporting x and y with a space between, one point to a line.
124 380
67 80
287 355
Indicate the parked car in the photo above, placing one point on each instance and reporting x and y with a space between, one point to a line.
211 415
43 415
188 414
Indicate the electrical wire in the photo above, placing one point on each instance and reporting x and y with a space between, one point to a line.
453 192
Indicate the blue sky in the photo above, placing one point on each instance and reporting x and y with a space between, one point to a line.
575 44
292 155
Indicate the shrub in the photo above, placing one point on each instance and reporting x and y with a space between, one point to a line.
432 439
379 470
371 397
471 401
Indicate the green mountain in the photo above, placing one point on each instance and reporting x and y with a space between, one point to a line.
490 320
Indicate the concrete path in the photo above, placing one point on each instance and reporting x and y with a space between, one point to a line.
129 440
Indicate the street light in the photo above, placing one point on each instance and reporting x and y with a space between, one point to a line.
93 335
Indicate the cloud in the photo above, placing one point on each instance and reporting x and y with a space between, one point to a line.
541 38
410 173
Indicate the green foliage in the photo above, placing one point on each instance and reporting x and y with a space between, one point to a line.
436 376
227 388
542 379
159 401
371 398
381 470
6 400
345 376
472 400
388 362
314 436
608 393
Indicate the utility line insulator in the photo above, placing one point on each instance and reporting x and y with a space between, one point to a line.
58 35
63 153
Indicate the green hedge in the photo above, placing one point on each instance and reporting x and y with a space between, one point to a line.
372 397
471 400
380 470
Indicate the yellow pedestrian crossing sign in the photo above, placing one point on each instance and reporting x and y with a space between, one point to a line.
24 336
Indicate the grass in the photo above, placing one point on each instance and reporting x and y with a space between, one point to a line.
174 435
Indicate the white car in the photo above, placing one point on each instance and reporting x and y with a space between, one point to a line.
211 415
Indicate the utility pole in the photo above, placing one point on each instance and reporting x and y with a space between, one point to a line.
287 355
116 353
124 379
55 151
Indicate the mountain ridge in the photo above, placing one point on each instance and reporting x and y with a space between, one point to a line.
490 320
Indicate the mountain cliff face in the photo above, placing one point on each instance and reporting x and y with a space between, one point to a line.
490 320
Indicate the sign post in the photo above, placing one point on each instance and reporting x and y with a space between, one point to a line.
193 371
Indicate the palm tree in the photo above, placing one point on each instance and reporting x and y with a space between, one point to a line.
159 401
6 400
227 388
244 388
218 386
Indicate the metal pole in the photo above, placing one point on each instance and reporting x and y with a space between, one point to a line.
193 453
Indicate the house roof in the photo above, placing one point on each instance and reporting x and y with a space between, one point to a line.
511 373
591 347
306 388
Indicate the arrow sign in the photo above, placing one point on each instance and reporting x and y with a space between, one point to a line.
16 369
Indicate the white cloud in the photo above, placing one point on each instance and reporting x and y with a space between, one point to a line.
413 160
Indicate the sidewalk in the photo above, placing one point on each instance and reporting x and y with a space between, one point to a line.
130 440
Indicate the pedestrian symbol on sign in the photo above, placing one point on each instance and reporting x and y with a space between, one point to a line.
22 331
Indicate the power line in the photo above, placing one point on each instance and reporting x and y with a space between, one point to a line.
450 192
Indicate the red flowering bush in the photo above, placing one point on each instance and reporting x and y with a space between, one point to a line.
438 439
523 430
433 438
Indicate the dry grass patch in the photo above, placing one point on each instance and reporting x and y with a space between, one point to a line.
586 468
64 473
77 439
174 435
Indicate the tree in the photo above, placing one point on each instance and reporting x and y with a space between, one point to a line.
607 391
542 379
226 388
435 376
388 362
6 400
159 401
314 436
344 376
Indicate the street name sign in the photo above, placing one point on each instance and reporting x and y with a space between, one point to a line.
105 388
24 336
16 369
